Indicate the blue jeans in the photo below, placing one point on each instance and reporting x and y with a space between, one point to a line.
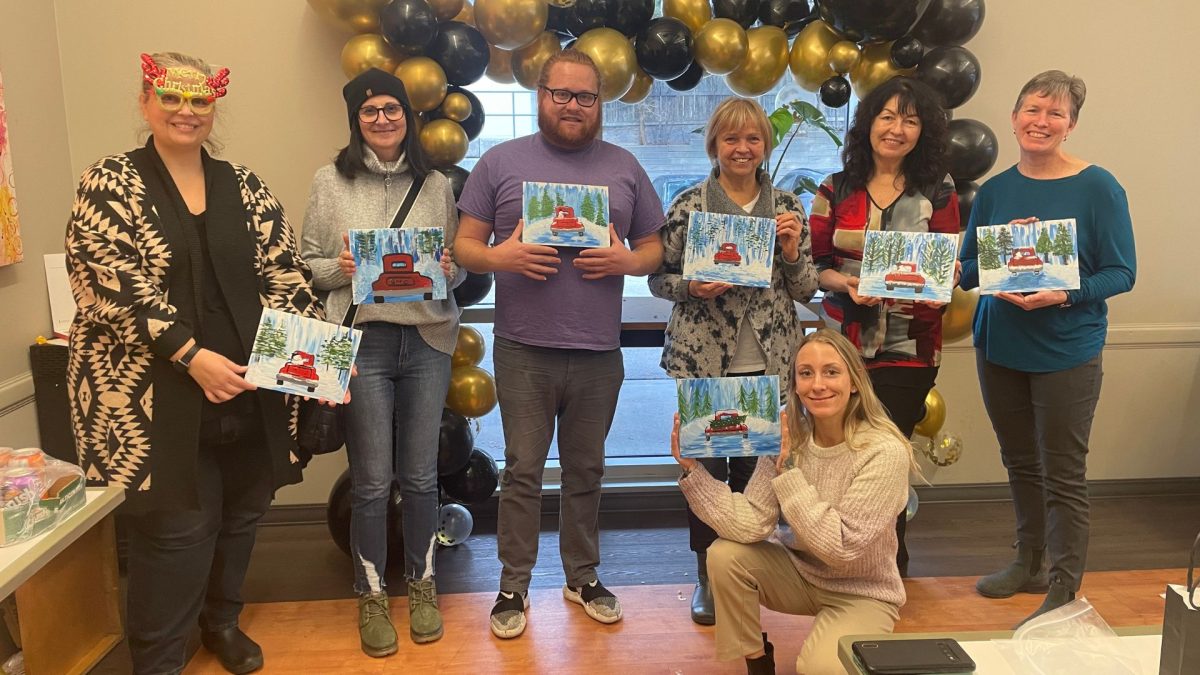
392 426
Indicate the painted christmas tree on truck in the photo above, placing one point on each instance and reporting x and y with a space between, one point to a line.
728 416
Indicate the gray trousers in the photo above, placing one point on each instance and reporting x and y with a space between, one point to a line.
538 387
1042 423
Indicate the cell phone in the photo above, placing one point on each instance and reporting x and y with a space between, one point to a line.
912 656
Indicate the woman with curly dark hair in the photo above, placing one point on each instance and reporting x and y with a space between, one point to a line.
894 179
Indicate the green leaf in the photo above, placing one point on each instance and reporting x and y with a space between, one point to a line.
781 122
806 184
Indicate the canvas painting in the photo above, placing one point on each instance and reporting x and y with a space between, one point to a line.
398 264
729 416
10 227
565 214
1040 256
908 265
298 355
735 249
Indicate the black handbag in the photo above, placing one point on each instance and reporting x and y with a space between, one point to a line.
322 427
1181 625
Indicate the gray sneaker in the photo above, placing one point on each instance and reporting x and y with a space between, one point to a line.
597 601
508 614
375 629
424 617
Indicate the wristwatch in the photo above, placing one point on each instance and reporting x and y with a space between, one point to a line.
184 362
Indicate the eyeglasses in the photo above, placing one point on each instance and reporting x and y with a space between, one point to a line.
586 99
174 102
394 112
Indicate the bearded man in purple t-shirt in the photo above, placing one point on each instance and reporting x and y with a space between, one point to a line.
558 323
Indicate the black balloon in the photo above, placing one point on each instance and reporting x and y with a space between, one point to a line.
461 50
689 79
971 149
949 23
629 16
408 25
473 289
556 20
337 518
664 48
745 12
457 177
953 72
585 15
966 190
474 123
835 92
455 441
907 52
790 15
476 483
872 20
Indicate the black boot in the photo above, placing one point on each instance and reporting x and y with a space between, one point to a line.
703 608
1058 595
765 664
1023 575
237 653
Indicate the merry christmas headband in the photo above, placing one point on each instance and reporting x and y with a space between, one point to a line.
187 82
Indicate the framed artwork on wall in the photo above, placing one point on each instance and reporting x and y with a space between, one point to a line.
10 226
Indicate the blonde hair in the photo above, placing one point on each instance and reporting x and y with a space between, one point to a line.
736 113
179 60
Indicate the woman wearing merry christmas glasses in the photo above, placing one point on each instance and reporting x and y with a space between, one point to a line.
172 256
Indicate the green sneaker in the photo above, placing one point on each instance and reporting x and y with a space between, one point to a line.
375 629
424 617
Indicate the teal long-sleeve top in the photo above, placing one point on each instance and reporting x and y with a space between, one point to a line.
1054 338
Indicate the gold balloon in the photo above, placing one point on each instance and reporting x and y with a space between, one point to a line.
843 56
499 67
445 10
874 68
935 415
363 52
468 351
527 61
466 14
959 316
614 56
355 16
425 82
766 61
720 46
509 24
810 55
561 3
472 391
444 142
456 107
694 13
640 88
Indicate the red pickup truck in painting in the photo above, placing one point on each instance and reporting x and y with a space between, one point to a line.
727 254
565 222
1024 259
298 371
905 275
727 422
400 280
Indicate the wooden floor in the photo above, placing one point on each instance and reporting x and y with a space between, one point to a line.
656 636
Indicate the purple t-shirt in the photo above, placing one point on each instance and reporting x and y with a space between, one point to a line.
566 311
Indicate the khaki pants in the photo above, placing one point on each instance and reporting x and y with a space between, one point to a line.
745 576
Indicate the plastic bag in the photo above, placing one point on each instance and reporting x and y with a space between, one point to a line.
36 493
1069 640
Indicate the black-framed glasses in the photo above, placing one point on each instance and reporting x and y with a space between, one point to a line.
586 99
394 112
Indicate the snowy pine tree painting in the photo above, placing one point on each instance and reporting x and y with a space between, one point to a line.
908 265
728 416
397 264
1039 256
565 214
298 355
737 250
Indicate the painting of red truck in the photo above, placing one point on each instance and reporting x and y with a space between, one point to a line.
300 355
398 265
728 416
1023 258
738 250
908 265
565 214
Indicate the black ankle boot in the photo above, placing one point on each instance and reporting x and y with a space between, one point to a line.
703 608
237 653
1058 595
1026 574
765 664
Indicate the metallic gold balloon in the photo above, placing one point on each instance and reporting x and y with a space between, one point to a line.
363 52
935 415
561 3
467 14
958 318
456 107
445 143
720 46
640 88
810 55
843 56
766 61
614 56
694 13
425 82
499 67
509 24
874 68
445 10
468 351
472 391
527 61
355 16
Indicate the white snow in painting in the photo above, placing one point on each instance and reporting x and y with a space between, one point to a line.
398 264
565 214
298 355
737 250
714 404
1040 256
908 265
